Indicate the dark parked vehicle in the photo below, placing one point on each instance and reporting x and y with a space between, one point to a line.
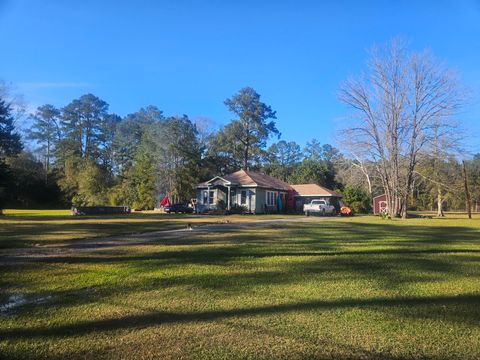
178 208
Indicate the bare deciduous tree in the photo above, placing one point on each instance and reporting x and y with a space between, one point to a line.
437 161
354 169
401 104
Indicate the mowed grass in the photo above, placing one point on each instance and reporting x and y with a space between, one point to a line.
27 228
358 288
41 213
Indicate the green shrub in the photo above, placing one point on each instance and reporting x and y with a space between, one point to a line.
238 209
357 199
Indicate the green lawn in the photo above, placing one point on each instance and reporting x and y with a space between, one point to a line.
356 288
27 228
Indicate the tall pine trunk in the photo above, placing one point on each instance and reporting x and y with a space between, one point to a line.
245 158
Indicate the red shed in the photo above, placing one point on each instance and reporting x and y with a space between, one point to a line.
380 204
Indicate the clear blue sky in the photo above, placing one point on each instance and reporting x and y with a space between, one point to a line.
188 56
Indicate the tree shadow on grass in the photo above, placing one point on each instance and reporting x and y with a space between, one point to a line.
298 233
463 309
355 232
218 256
73 235
319 250
21 231
388 270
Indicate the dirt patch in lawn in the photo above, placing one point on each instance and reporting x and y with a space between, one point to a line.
92 244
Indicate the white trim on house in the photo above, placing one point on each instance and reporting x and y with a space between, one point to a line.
237 186
322 195
240 197
205 194
267 197
218 178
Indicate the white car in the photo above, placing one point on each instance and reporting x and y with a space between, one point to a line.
318 207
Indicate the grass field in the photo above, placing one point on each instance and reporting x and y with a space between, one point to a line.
357 288
27 228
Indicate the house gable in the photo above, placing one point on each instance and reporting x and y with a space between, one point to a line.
218 180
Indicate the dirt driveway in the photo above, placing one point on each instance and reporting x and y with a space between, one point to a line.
100 243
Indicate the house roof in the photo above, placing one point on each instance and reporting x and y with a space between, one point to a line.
313 190
251 178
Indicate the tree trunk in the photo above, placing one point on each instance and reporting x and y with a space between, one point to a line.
439 202
245 158
394 204
47 162
404 207
467 192
369 183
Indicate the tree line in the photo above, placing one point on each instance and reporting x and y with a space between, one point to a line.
401 139
85 155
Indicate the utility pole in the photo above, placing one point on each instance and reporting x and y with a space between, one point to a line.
467 193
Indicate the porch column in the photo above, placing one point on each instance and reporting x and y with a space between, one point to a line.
228 199
208 195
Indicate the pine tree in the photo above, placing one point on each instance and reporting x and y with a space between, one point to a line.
45 131
10 143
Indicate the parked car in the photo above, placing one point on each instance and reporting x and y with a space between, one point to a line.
178 208
318 207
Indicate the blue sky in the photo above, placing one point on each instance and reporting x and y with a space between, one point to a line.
186 57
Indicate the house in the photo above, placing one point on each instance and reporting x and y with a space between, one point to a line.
259 193
256 192
305 193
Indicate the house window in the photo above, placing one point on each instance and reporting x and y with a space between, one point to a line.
271 196
208 197
243 197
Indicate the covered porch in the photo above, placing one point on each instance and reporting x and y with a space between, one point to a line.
221 194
